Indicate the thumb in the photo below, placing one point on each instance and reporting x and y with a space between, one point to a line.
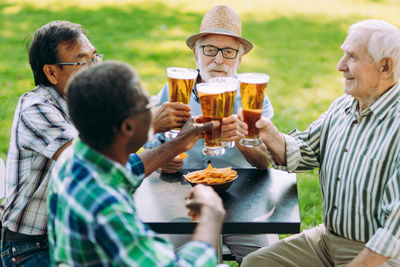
262 123
207 126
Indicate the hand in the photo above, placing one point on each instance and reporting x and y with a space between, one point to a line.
233 129
170 115
267 129
203 199
173 166
191 132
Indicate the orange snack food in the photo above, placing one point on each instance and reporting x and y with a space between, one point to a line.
183 155
211 175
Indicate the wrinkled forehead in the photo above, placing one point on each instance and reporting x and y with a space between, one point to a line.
356 41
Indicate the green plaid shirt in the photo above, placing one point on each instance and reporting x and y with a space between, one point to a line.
359 159
93 220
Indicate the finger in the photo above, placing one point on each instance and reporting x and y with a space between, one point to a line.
199 119
240 114
207 126
178 106
262 123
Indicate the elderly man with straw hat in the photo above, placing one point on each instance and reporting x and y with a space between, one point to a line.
218 51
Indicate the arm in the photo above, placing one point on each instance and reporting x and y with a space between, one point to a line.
46 125
206 207
154 158
367 258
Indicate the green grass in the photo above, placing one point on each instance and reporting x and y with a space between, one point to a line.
296 43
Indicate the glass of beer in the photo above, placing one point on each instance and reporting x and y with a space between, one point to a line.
253 87
212 106
230 86
181 82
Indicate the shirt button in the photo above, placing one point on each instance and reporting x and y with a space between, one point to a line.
13 259
14 249
38 244
355 121
334 207
345 150
338 179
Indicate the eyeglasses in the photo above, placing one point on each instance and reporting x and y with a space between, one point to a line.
212 51
145 108
90 61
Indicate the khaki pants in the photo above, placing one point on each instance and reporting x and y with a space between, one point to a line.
314 247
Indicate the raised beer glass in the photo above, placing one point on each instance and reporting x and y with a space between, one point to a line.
181 82
230 86
212 106
253 87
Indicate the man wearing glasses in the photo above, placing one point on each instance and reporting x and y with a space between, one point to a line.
218 50
41 130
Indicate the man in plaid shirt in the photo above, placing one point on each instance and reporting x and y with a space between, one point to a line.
92 216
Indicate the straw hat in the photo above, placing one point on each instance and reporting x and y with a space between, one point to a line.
221 19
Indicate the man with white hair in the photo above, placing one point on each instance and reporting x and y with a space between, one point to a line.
218 50
356 145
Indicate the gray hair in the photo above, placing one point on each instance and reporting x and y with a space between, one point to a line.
383 42
198 43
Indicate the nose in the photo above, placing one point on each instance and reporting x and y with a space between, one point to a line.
219 59
342 65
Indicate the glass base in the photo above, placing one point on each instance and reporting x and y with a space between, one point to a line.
171 134
213 151
228 144
250 142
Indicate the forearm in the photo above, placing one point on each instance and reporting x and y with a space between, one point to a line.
256 156
209 227
368 258
155 157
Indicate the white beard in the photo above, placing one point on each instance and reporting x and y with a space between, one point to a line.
205 70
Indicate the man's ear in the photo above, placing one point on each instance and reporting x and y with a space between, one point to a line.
386 66
49 71
240 59
128 127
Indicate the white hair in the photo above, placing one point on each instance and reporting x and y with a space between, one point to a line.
383 42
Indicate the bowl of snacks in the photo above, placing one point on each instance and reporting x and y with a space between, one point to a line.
218 178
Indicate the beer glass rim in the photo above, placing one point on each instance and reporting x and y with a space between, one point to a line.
231 84
258 77
216 88
181 73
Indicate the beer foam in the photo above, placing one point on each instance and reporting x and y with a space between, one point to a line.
181 73
210 88
227 83
253 78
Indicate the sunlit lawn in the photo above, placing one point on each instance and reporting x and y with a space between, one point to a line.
296 43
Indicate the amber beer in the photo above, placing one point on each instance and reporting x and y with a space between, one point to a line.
253 87
181 82
230 86
212 107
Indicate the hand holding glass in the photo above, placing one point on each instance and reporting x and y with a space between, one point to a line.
181 82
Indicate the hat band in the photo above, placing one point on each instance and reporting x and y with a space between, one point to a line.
220 30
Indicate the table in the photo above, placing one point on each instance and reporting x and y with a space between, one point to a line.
259 201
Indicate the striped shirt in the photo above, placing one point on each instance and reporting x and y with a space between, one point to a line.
41 126
359 159
93 219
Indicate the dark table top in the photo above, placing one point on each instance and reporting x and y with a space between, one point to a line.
259 201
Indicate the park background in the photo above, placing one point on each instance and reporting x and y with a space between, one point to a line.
297 43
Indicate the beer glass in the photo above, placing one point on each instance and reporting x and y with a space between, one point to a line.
230 85
212 106
253 86
181 82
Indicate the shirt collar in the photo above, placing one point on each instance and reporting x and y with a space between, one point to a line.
381 106
58 97
115 173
